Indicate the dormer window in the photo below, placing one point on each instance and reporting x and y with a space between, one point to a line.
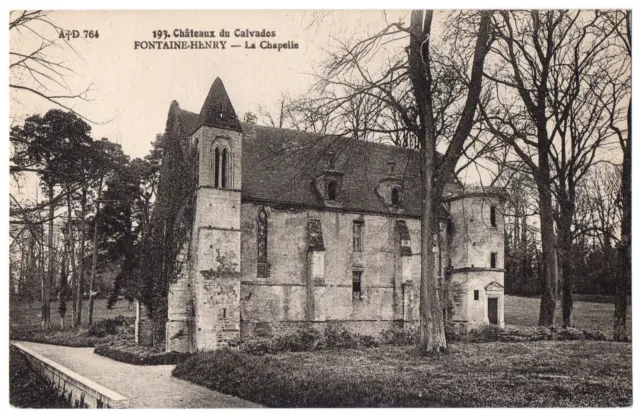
391 168
395 196
332 190
331 160
329 187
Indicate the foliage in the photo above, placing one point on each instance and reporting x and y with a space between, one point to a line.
337 336
471 375
165 245
28 388
401 336
127 350
493 333
24 325
109 326
76 338
308 339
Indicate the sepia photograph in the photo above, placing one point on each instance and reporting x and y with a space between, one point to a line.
278 208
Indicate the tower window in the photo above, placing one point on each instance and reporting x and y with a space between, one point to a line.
332 190
395 196
357 284
223 168
494 260
220 167
357 236
494 221
263 270
216 170
476 295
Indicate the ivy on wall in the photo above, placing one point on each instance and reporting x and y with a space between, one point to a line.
166 247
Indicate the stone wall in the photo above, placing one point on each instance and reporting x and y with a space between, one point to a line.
283 297
207 138
473 238
471 310
79 388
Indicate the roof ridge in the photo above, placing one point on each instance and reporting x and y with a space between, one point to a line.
310 134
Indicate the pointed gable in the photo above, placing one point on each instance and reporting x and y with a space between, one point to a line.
217 110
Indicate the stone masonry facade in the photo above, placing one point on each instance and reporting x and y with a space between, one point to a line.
288 234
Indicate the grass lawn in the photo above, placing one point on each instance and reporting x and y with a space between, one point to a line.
528 374
591 315
495 374
25 319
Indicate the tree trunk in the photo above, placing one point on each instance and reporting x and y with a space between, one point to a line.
566 261
48 276
549 259
83 234
624 246
72 262
62 289
95 255
432 336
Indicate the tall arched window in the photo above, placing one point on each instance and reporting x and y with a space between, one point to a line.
216 168
263 270
220 160
223 172
196 163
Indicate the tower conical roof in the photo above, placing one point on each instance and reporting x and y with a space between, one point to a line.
217 110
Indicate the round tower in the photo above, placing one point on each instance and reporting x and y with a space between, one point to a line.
476 252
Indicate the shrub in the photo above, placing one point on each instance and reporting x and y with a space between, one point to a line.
308 339
127 350
109 326
257 346
400 336
304 339
485 333
595 335
456 332
339 337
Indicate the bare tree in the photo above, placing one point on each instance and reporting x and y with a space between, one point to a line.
418 99
33 68
620 22
546 77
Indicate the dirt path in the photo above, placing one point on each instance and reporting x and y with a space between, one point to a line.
145 386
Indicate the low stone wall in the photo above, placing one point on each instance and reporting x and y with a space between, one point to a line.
81 389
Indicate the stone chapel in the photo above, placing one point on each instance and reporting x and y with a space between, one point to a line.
293 228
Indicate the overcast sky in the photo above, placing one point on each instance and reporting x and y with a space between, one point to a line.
132 89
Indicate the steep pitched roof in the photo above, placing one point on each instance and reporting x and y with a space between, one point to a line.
189 120
217 110
280 165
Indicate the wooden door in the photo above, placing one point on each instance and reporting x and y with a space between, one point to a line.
492 304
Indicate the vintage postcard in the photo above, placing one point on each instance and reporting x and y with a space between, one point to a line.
320 208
